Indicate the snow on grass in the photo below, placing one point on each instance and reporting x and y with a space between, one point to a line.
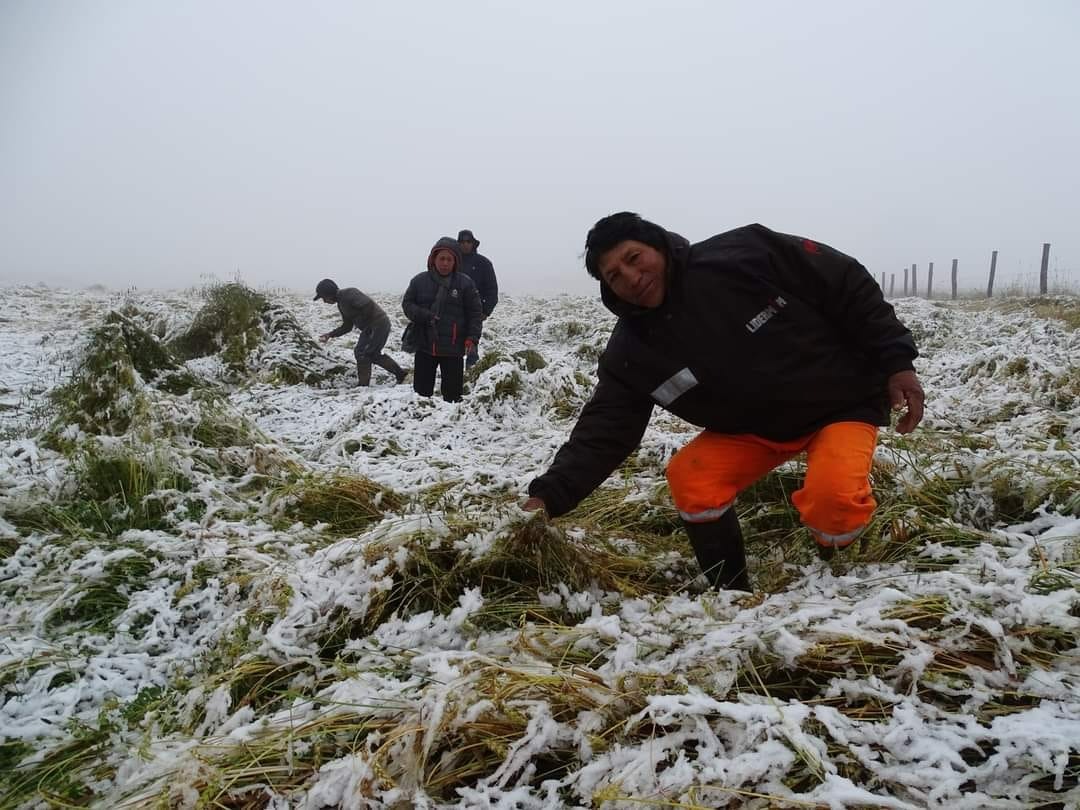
248 592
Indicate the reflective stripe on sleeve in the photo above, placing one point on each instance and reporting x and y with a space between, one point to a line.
675 386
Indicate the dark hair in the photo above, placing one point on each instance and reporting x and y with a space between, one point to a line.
615 228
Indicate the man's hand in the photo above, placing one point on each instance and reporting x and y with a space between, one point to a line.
905 392
470 346
324 338
534 503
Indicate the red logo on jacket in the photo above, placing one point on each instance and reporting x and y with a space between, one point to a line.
810 246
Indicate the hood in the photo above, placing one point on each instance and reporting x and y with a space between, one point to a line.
445 243
678 248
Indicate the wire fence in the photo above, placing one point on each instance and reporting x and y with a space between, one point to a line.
930 281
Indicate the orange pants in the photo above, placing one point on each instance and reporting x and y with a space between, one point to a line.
835 501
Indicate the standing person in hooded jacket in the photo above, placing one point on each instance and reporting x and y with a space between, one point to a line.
360 312
774 344
445 307
482 272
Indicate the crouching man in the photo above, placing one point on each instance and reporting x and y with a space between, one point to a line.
774 344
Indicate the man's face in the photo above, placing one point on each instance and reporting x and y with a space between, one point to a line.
444 262
467 247
328 299
635 272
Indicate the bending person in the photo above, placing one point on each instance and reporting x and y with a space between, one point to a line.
774 344
358 311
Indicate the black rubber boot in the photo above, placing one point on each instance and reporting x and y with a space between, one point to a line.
718 546
387 362
363 372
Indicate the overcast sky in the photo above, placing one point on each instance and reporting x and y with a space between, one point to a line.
156 143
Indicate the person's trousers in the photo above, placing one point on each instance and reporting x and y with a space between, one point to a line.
452 371
369 350
834 502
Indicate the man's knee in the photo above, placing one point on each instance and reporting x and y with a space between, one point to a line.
681 470
698 495
835 515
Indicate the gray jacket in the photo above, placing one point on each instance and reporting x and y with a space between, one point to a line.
357 310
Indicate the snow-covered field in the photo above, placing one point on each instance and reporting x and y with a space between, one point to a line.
196 610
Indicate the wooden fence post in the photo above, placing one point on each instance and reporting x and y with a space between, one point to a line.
905 281
892 284
954 279
1043 269
930 281
914 281
993 269
883 282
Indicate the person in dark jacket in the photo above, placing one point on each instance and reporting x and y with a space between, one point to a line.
772 343
445 307
358 311
482 272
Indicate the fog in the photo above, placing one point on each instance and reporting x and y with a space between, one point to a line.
159 145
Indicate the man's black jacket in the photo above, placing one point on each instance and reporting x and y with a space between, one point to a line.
482 272
759 332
